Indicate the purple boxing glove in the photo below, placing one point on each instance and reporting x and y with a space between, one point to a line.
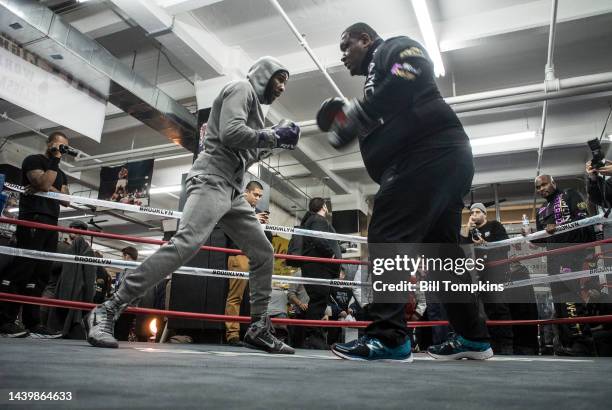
287 135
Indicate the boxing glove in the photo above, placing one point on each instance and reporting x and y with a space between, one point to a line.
287 134
345 121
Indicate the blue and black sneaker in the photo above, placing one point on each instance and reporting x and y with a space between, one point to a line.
370 348
457 347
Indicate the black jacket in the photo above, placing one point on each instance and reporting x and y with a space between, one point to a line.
400 89
492 231
560 208
324 248
600 191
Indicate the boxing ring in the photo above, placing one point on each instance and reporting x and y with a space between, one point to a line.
155 375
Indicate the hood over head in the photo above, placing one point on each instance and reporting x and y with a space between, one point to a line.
261 73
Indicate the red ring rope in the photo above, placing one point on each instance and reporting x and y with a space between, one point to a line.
38 225
10 297
548 252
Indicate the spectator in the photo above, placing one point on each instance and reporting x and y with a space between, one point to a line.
240 263
129 253
298 300
7 231
278 308
524 306
103 282
39 173
76 282
600 189
414 311
125 326
50 290
326 248
342 304
561 207
480 232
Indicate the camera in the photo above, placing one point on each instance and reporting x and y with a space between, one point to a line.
476 235
598 155
65 149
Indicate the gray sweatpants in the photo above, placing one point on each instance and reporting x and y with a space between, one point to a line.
210 200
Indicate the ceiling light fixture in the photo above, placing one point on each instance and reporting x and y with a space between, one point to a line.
499 139
429 35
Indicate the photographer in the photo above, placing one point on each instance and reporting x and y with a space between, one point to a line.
600 189
480 232
39 173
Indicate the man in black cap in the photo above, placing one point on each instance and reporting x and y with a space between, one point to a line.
480 232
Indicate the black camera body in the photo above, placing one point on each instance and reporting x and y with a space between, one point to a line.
66 149
598 160
476 235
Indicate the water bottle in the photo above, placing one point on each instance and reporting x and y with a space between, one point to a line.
526 230
525 221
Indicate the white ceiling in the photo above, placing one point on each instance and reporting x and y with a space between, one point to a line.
486 45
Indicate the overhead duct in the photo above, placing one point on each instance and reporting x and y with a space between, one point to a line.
293 194
44 33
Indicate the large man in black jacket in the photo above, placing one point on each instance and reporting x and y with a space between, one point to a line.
600 189
414 146
561 207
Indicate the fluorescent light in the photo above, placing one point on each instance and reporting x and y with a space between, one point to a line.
429 35
165 189
12 210
65 218
498 139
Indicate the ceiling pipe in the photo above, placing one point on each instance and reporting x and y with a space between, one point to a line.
304 44
134 152
533 97
122 161
564 84
549 79
105 75
569 87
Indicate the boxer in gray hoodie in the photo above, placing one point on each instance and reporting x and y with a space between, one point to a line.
235 139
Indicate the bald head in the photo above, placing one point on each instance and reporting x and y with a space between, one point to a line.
545 185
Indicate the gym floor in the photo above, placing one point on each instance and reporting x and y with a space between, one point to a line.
173 376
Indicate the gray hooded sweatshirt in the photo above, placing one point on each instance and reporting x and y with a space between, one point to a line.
235 136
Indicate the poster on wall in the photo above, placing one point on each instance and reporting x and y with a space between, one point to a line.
128 183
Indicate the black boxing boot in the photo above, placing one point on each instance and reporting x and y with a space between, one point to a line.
260 336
